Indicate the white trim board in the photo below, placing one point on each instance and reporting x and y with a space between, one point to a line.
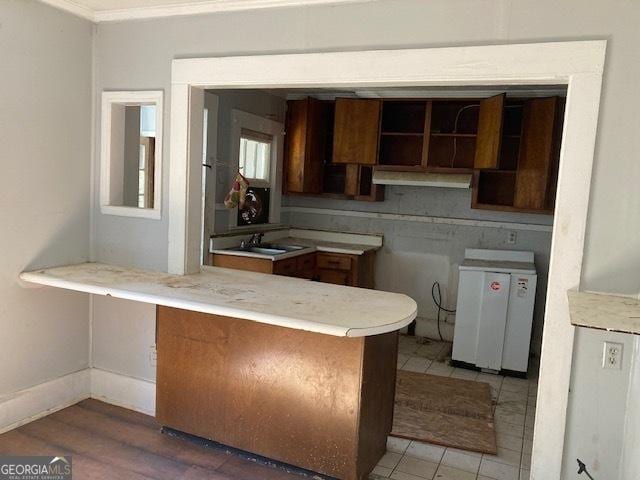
41 400
111 162
182 9
72 7
401 217
35 402
579 65
124 391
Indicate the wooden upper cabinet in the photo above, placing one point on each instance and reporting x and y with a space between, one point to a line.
489 133
356 131
525 179
305 150
536 158
404 135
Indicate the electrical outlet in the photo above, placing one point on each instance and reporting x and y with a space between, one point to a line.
612 356
153 356
512 237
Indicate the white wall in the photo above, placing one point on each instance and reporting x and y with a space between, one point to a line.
630 462
45 138
138 55
596 410
123 331
123 337
414 254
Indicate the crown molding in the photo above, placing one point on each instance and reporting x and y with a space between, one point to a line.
72 7
192 8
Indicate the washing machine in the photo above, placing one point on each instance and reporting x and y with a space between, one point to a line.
494 312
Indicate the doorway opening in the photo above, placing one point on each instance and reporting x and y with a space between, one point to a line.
576 65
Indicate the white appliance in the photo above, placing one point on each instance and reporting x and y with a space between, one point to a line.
496 293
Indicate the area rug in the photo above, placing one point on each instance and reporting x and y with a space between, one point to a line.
445 411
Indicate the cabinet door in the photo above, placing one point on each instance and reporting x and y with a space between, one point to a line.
352 180
305 145
489 133
287 267
336 277
536 153
334 261
356 131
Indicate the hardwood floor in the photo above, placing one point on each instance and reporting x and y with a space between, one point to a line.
108 442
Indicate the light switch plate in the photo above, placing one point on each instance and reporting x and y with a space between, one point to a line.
612 356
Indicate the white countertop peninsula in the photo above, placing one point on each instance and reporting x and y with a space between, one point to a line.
270 299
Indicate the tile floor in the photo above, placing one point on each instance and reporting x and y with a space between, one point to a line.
515 407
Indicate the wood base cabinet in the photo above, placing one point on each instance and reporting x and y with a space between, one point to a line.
337 268
302 266
320 402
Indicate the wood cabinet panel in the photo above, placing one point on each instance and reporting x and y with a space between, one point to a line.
336 277
306 262
209 384
356 131
333 261
287 267
352 180
489 132
536 154
404 136
344 269
295 145
251 264
336 268
305 145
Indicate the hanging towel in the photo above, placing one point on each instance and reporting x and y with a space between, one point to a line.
236 196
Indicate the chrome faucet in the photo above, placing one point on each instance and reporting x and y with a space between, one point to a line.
256 239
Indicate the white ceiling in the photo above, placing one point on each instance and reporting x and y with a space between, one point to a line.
117 10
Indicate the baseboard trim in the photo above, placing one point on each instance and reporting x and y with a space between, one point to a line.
123 391
41 400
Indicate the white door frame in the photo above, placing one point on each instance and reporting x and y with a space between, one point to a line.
579 65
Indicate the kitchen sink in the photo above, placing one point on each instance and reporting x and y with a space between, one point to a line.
267 249
286 248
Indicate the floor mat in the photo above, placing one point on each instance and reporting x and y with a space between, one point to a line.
445 411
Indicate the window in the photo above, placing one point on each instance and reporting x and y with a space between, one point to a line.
254 159
130 160
257 144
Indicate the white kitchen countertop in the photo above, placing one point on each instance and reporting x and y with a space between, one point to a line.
311 246
271 299
604 312
314 240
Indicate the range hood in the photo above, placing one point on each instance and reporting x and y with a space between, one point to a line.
422 179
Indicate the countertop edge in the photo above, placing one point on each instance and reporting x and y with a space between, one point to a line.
38 278
297 253
601 311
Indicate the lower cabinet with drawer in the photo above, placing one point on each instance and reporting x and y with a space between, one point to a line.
343 269
336 268
301 267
